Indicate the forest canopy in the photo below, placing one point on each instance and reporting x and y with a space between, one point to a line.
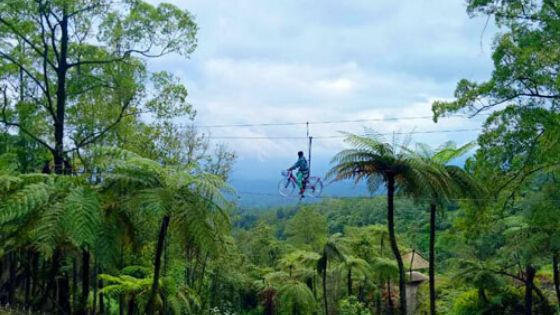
109 206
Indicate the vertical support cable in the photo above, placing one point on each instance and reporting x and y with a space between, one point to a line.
309 148
309 154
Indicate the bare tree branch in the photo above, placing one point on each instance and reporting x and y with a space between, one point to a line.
88 8
90 88
23 68
96 135
125 55
25 39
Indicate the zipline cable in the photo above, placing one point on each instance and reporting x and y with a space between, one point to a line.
344 136
375 196
328 122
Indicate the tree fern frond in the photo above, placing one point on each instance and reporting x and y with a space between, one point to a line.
9 183
24 202
385 269
8 162
48 229
82 216
296 295
34 178
107 244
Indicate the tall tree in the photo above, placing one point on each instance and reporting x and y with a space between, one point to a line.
378 162
331 252
352 266
525 59
456 183
179 192
79 67
307 229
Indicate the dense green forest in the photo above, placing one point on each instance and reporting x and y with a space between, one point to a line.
108 206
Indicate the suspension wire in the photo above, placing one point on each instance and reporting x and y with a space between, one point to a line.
362 197
328 122
344 136
309 150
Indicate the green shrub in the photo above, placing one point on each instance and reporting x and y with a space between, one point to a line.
351 306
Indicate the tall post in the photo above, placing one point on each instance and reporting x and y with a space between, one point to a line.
309 154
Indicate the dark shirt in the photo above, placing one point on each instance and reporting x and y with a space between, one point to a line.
301 165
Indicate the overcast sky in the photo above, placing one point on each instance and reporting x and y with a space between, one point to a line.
297 60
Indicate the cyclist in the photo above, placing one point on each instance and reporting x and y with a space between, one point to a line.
302 173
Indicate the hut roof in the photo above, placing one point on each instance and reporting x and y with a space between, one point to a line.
414 261
416 277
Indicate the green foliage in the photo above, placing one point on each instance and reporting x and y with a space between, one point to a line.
508 301
296 298
129 175
385 270
351 306
524 59
307 229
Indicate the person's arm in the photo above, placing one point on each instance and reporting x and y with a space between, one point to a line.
294 166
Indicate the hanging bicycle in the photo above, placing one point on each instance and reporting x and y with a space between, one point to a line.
288 186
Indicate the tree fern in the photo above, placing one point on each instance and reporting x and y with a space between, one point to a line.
296 298
9 183
24 202
82 216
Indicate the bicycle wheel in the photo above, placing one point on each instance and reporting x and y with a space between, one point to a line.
286 187
314 187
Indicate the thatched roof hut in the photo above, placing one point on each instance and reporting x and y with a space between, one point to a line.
414 261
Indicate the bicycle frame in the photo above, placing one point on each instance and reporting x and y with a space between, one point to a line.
310 183
304 182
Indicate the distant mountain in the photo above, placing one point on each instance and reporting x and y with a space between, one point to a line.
264 193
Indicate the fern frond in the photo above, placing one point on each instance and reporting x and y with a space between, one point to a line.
48 229
82 216
9 183
24 202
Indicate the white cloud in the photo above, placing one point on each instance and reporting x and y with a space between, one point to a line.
292 61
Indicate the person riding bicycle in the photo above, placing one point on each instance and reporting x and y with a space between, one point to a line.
302 173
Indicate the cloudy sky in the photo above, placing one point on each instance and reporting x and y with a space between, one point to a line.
301 60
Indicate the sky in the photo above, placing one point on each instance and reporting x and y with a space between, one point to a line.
300 60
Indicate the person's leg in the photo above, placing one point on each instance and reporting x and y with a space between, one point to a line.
304 179
299 178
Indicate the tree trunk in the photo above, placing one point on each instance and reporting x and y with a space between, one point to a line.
12 267
94 302
361 292
530 271
325 299
28 278
390 298
381 243
63 300
131 304
482 296
74 282
201 278
378 298
121 296
34 273
392 238
349 281
61 72
150 307
432 259
121 304
315 286
556 276
51 280
101 298
85 282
